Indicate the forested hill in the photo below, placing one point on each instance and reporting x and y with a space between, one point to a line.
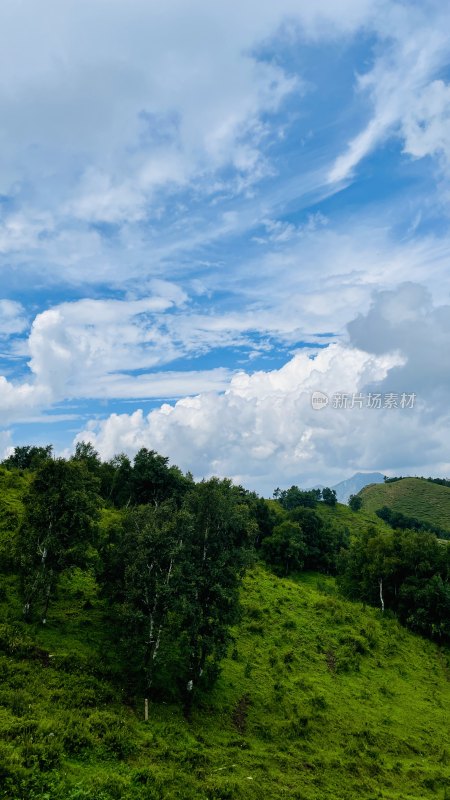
253 628
417 498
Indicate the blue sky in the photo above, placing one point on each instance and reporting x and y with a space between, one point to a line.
208 212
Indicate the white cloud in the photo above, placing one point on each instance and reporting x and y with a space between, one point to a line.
262 430
5 444
408 98
106 349
130 104
12 318
129 112
19 399
116 100
407 320
89 348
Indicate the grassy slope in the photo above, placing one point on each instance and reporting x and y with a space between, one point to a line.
319 698
414 497
341 516
354 521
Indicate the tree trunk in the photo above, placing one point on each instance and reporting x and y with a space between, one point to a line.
380 582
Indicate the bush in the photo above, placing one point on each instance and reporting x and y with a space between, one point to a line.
76 737
113 732
46 755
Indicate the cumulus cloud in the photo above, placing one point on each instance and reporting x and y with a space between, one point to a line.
263 430
18 399
407 319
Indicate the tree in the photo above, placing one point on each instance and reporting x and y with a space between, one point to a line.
28 457
355 502
61 510
174 574
294 497
116 480
329 496
323 539
86 453
424 605
152 556
286 548
406 571
153 481
216 556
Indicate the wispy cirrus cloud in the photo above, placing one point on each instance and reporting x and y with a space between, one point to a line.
407 97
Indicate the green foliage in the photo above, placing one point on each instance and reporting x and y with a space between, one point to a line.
297 691
116 481
153 481
285 549
323 538
150 593
332 701
329 496
215 559
13 486
355 502
295 497
28 457
61 509
303 538
408 571
397 520
173 574
149 479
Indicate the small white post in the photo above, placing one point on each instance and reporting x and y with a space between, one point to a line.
146 709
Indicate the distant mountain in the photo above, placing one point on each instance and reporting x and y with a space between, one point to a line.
354 484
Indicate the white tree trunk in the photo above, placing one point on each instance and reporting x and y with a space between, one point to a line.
380 581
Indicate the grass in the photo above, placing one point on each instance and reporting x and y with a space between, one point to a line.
355 522
318 698
414 497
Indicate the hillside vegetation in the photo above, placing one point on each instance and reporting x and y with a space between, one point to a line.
414 497
121 581
343 518
318 697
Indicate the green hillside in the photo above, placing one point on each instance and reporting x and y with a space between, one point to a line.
319 697
413 497
343 517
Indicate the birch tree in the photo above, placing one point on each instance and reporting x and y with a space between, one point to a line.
216 558
153 549
61 512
